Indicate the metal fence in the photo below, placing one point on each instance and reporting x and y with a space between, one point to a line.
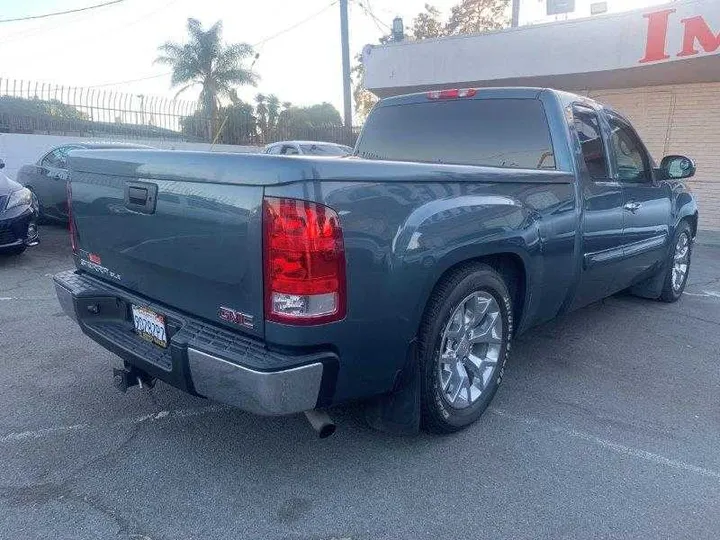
33 107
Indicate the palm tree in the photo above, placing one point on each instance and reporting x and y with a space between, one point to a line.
261 111
206 61
273 106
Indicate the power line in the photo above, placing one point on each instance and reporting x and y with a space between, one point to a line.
294 26
56 13
130 81
368 11
25 34
259 43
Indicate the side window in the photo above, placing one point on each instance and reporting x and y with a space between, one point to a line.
587 126
53 159
289 150
632 162
273 150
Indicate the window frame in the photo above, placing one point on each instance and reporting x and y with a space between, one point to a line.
611 116
585 109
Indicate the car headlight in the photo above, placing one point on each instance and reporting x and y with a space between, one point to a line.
20 197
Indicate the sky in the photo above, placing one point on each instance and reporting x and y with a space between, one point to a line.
112 45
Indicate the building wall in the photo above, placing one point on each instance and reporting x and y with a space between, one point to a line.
679 119
18 149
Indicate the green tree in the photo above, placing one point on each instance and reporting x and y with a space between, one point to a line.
428 24
205 60
364 99
316 122
273 110
17 106
261 113
471 16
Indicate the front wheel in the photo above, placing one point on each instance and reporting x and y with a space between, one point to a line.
464 345
678 264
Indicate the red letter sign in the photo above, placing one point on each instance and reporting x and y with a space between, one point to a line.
657 35
697 29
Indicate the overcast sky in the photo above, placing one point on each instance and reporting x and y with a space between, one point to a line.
119 42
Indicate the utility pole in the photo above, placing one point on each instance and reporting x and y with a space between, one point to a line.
347 101
515 13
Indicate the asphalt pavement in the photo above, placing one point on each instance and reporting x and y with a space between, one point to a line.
607 426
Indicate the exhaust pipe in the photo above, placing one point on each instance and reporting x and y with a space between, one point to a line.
321 423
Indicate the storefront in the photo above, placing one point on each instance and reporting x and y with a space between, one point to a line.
659 66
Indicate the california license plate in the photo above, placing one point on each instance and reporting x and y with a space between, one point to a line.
149 325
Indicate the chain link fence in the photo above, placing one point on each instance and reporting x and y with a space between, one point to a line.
42 108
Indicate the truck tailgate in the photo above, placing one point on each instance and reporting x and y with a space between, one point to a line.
192 244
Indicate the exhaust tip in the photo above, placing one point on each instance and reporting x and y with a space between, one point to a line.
327 430
321 423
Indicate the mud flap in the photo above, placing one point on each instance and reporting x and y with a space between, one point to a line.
399 411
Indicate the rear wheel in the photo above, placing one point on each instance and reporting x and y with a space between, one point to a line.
464 344
678 265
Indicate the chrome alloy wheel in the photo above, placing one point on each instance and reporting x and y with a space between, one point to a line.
681 261
469 349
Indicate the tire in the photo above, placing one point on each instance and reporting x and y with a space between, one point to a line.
479 289
681 253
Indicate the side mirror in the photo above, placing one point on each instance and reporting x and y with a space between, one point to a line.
677 167
2 164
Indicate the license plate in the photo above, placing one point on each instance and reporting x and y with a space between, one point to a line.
149 325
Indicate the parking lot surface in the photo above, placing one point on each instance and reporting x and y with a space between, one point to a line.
607 426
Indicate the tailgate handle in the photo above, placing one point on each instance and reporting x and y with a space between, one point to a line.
140 197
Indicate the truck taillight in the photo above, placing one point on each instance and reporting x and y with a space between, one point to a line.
71 222
452 93
304 262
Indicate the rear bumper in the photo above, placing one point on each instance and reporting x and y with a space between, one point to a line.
201 358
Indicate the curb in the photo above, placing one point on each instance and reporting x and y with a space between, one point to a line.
708 238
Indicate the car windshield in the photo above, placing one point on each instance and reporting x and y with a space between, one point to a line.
324 150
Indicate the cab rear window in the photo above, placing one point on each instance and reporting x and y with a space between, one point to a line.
511 133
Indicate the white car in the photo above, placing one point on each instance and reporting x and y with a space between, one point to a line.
307 148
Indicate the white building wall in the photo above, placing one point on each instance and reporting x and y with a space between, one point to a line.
586 47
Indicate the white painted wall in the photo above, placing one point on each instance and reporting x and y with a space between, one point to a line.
18 149
584 46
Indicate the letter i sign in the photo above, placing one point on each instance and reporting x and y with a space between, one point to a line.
696 30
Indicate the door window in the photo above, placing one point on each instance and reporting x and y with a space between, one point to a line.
289 150
58 157
632 161
587 126
53 159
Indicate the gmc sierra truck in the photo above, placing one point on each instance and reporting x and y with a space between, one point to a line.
397 276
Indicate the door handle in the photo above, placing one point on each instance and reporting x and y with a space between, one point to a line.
632 206
141 197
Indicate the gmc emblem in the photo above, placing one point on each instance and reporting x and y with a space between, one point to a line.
235 317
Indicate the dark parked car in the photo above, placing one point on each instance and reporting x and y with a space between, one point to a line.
18 216
46 178
400 274
307 148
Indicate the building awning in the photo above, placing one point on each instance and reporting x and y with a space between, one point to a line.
669 44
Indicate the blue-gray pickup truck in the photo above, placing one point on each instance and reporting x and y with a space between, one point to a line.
397 276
